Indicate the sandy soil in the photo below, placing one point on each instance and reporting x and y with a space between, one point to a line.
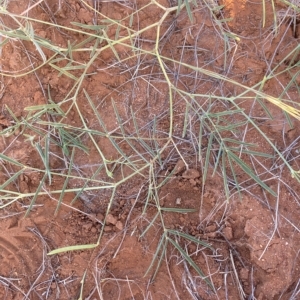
255 236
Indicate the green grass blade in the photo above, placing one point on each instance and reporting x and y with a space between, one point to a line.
45 157
32 202
160 248
65 182
192 263
249 172
188 9
208 152
178 210
237 186
224 173
149 225
11 179
10 160
190 238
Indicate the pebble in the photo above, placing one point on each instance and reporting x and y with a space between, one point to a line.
211 228
211 234
107 228
179 167
227 231
119 225
110 219
178 201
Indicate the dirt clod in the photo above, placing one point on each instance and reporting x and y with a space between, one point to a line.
179 167
110 219
119 225
228 233
191 174
124 105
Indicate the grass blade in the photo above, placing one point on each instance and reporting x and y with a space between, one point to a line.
192 263
248 171
72 248
190 238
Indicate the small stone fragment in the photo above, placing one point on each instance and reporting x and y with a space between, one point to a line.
119 225
227 231
211 234
191 174
23 184
179 167
110 219
178 201
211 228
107 228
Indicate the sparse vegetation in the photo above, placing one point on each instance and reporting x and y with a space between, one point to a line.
172 101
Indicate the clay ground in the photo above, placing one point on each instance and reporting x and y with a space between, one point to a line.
176 221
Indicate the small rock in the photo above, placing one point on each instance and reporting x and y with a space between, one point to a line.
119 225
179 167
191 174
107 228
227 231
94 230
211 234
110 219
211 228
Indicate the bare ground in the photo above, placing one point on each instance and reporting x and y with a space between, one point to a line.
255 236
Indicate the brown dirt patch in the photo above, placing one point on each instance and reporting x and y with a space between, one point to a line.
111 136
